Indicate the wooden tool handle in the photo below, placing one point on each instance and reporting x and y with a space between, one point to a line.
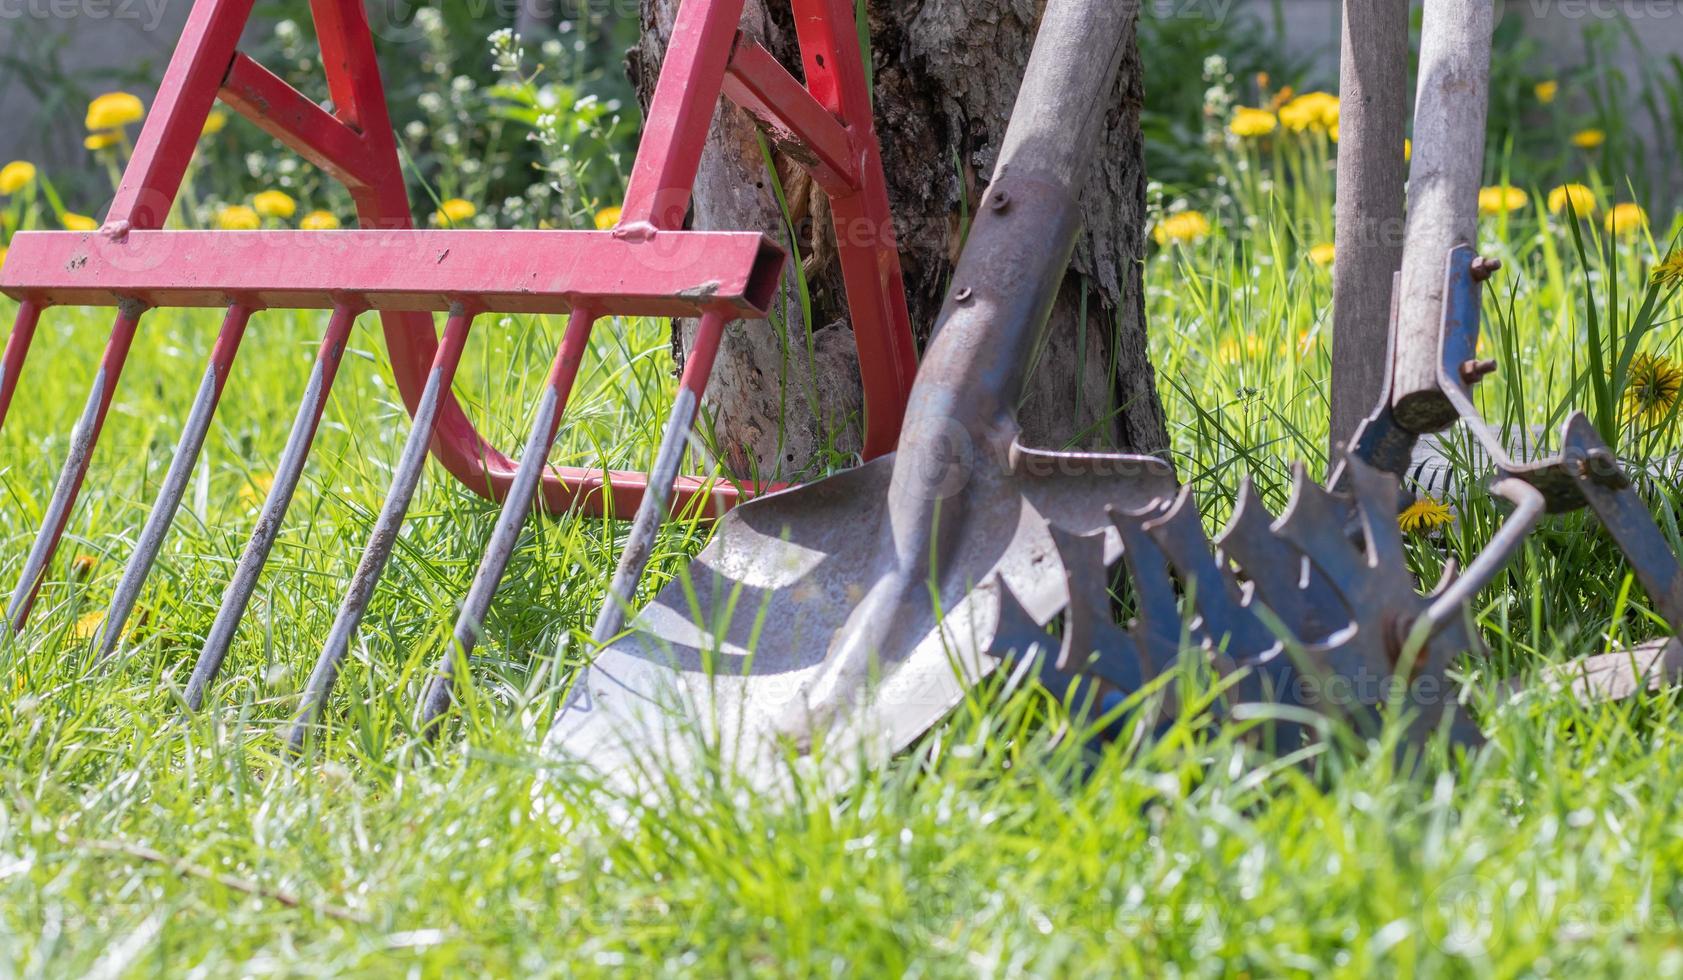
1451 107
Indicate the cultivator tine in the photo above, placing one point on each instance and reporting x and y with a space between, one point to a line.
17 348
287 475
435 700
632 562
386 528
175 481
82 442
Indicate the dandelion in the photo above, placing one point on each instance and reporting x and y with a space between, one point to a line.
319 221
454 212
1186 226
1232 350
607 218
1323 254
1588 139
3 251
78 222
1669 272
256 490
82 566
86 626
237 217
1546 91
1625 218
1408 149
114 110
1501 200
1316 111
1652 387
1253 123
102 140
214 123
15 176
1579 196
274 204
1424 516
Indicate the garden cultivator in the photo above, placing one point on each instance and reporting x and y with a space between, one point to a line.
649 265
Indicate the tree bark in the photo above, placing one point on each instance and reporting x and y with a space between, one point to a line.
785 396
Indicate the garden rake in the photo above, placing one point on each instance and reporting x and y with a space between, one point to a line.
854 613
649 265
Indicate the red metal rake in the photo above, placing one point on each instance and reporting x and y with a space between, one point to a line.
647 266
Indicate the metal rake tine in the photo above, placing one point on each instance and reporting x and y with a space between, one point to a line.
384 536
175 481
635 558
1092 641
82 441
1291 587
1180 534
546 423
287 474
1315 523
17 348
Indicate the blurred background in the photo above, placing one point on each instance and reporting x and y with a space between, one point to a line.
481 127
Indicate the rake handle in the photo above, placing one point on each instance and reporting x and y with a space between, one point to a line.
1451 107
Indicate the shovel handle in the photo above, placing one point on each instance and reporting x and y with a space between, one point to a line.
1451 108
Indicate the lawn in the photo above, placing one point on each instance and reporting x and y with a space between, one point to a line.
135 838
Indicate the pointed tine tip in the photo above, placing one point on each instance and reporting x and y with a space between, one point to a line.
1249 515
1176 511
1016 632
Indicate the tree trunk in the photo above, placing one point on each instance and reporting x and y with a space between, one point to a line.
786 397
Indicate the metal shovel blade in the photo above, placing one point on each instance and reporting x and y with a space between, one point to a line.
728 658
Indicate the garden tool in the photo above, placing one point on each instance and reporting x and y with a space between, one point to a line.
649 265
853 614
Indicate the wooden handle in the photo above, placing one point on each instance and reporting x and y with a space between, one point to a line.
1451 107
1373 87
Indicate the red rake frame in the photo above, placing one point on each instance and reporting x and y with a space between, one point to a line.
648 265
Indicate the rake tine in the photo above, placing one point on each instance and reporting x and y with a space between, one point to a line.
287 475
17 348
380 542
82 441
652 509
435 700
175 481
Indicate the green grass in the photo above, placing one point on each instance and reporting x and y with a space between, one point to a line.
135 839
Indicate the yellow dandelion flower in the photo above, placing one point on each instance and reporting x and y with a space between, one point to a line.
1589 139
454 212
1424 516
1185 226
1252 123
86 626
607 218
1546 91
103 140
1625 219
3 251
78 222
214 123
1333 132
319 221
1232 350
1501 200
1315 111
237 217
15 176
1668 273
1408 149
274 204
82 566
114 110
255 490
1323 254
1579 196
1652 387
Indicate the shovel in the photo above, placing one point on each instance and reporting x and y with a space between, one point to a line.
854 612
